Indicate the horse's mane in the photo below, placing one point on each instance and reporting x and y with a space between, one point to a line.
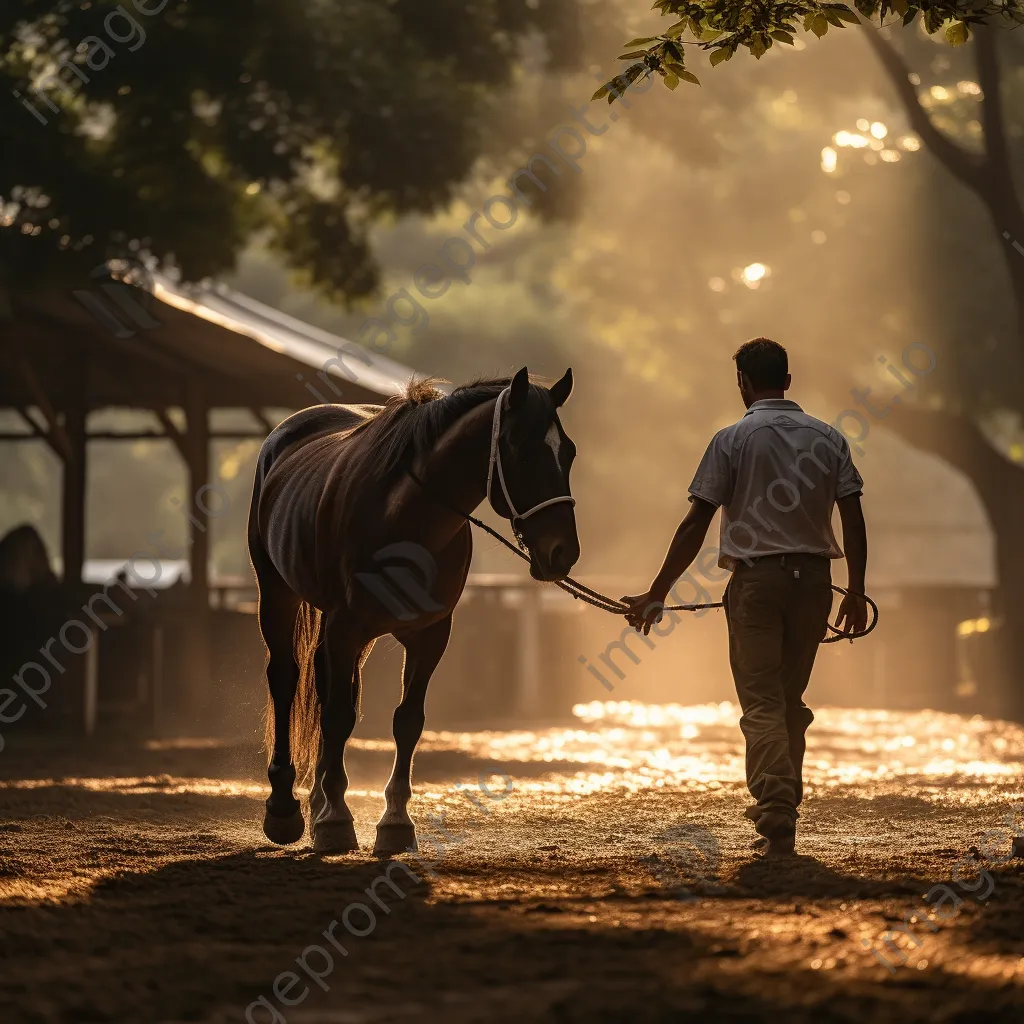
411 423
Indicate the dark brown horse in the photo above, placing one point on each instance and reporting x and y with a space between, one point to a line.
347 499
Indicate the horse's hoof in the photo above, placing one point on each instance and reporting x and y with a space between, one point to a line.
284 831
393 839
335 837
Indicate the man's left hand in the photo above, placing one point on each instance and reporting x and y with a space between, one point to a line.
853 614
645 610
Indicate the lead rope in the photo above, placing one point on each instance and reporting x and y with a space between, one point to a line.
578 591
608 604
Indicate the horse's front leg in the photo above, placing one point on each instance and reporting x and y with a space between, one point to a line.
337 686
423 649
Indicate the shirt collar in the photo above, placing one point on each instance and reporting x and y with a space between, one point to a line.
773 403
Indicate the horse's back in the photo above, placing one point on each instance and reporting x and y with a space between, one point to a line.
307 424
292 470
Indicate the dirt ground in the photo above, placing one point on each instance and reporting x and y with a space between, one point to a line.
608 876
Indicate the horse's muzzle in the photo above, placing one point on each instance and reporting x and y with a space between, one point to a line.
556 562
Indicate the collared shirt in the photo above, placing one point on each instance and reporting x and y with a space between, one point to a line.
777 474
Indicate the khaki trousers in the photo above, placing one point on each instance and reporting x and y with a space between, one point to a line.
777 609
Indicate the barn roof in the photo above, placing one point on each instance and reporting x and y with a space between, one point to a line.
143 349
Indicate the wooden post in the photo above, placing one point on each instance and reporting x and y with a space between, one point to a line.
197 455
529 650
92 684
73 492
157 686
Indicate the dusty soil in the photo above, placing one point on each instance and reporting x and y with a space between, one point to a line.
613 882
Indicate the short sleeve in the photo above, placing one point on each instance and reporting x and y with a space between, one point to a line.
849 481
713 481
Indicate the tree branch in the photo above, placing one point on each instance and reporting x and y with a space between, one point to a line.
964 165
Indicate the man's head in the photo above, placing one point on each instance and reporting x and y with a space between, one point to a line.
762 370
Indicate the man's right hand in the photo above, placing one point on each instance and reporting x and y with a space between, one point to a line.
645 610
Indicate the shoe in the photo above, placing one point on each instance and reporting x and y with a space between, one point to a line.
772 824
780 846
778 833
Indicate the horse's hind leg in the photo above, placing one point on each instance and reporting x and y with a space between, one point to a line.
282 822
337 686
423 650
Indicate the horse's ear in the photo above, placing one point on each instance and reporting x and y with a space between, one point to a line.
520 388
561 390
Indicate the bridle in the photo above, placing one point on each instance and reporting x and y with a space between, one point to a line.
495 464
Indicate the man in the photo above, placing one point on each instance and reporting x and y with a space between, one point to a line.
777 473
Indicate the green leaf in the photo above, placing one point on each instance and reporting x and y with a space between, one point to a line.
675 31
783 37
957 33
671 81
819 25
680 72
632 55
720 55
847 15
833 19
602 92
641 41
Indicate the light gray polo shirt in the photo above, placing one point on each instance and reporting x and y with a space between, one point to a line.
777 474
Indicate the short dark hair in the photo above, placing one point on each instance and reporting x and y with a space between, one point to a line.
764 362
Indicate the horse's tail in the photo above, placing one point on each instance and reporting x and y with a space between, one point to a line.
304 728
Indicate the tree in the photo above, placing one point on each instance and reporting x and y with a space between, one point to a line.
179 128
957 424
956 430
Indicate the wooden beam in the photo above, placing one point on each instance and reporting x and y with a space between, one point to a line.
144 435
37 432
262 419
171 431
56 436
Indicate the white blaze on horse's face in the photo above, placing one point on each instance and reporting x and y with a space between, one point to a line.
553 439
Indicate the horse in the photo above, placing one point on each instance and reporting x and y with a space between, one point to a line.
24 563
342 493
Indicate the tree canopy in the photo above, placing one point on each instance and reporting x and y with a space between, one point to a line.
180 128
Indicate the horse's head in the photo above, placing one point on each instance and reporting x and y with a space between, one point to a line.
530 475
